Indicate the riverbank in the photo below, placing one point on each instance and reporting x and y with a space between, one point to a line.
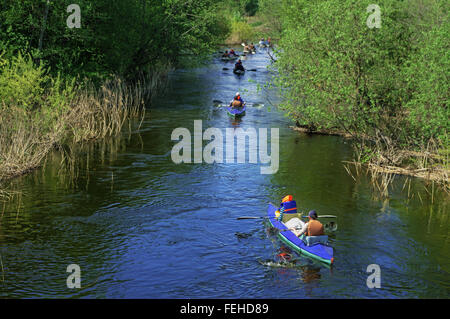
428 165
249 29
58 113
67 80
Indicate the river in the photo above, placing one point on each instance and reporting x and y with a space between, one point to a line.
140 226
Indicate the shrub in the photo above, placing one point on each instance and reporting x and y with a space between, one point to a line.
241 31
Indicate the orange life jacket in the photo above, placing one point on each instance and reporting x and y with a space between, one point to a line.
315 228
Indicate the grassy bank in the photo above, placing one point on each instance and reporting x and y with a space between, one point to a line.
61 84
39 113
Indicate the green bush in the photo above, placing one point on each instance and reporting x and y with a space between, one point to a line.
242 31
27 88
389 82
21 83
428 75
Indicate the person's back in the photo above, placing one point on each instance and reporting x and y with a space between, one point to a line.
237 101
315 228
239 66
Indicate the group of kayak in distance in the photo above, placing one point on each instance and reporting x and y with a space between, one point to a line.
306 238
237 105
263 43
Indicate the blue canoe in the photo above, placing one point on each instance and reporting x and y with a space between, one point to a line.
236 111
318 251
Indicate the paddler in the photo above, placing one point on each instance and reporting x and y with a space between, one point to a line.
237 101
312 228
232 53
239 66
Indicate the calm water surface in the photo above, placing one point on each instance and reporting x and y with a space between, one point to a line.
140 226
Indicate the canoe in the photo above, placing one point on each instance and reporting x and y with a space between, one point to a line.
317 251
236 111
238 71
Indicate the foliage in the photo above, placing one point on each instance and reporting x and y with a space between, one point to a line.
125 37
388 83
428 77
242 31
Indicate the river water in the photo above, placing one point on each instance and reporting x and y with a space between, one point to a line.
140 226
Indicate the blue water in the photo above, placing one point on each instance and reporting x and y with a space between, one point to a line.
140 226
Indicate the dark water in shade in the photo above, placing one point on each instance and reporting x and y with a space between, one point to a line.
140 226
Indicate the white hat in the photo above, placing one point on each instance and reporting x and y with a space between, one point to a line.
237 93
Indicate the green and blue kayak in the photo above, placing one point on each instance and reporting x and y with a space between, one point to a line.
236 111
318 251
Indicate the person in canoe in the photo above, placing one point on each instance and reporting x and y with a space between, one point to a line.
226 54
252 47
232 54
238 66
237 101
312 228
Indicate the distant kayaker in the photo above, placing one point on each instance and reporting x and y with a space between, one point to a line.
232 53
288 206
252 47
239 66
237 101
226 54
312 228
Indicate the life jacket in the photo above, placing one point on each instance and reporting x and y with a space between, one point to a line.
289 207
315 228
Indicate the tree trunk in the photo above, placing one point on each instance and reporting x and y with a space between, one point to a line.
41 37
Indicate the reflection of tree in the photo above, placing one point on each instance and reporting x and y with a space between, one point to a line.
310 274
